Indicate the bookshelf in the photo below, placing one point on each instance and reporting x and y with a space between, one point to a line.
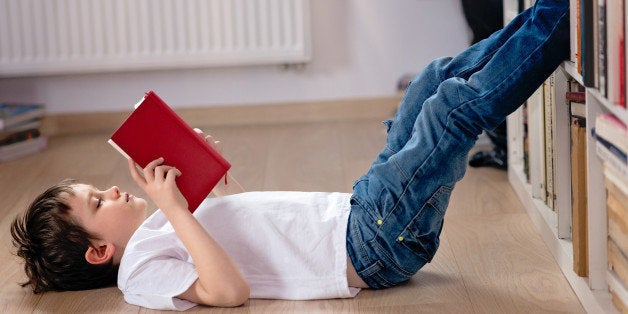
554 221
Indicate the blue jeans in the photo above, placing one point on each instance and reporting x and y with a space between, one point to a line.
398 206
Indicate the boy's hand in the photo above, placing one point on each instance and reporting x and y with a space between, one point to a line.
217 145
158 181
222 188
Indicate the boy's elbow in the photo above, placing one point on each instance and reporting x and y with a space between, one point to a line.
235 296
242 296
227 295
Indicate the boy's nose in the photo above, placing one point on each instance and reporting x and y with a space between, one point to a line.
115 191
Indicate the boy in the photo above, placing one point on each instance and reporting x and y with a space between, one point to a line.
294 245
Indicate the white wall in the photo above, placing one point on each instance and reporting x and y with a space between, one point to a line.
360 49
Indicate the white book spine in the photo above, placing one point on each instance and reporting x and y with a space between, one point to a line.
110 141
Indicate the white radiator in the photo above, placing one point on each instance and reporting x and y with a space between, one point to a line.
73 36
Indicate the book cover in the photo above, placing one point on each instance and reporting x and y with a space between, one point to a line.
154 130
12 114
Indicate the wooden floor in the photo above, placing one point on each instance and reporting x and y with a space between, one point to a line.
491 258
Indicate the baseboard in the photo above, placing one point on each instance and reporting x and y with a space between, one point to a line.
304 112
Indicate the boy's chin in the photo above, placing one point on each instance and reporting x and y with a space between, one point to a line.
141 203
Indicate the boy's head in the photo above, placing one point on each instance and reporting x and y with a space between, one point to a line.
72 236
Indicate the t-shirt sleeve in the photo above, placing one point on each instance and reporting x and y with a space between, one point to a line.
156 283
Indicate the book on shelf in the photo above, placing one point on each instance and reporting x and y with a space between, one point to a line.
588 26
154 130
617 262
612 156
613 130
617 290
13 114
617 218
601 46
536 138
549 105
579 225
616 183
615 52
577 104
526 142
574 27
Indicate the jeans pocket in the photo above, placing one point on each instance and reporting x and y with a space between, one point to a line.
421 236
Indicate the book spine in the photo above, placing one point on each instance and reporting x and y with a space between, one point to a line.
579 199
602 66
112 143
588 44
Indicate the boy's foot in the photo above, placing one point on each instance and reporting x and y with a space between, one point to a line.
494 158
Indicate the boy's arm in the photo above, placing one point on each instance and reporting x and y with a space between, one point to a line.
220 282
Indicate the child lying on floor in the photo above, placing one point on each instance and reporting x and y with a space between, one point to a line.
296 245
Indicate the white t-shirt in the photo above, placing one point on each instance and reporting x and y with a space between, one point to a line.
289 245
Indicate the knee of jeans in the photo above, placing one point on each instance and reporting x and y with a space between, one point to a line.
437 68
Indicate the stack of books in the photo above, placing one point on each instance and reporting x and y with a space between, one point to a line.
612 145
20 130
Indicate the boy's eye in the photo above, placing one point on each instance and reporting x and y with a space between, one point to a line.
99 203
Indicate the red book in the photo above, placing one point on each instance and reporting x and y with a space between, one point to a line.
154 130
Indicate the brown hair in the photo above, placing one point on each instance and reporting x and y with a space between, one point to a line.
53 246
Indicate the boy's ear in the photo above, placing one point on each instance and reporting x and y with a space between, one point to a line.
98 255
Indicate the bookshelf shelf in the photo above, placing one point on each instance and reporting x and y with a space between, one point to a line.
552 216
572 70
594 301
618 111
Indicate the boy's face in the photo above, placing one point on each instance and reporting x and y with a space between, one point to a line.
110 215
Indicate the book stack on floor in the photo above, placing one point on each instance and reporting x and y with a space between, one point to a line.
612 146
20 130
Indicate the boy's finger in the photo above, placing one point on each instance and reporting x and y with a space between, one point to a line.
209 139
135 174
162 171
172 174
150 168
